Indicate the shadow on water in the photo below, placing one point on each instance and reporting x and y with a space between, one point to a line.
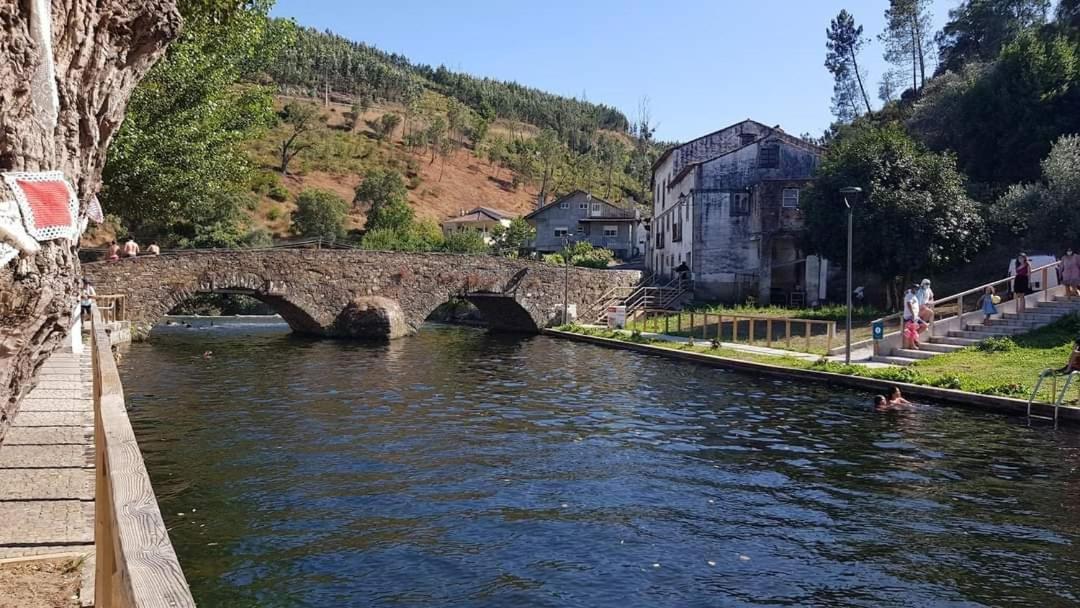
461 468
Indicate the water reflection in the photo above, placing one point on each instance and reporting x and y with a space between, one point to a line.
457 468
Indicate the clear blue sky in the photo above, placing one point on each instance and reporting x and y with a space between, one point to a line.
702 63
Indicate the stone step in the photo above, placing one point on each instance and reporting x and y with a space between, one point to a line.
1031 316
952 341
995 330
908 353
893 360
937 347
974 335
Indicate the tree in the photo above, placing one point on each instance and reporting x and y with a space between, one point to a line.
384 128
511 240
319 213
177 170
907 37
891 86
303 119
914 217
844 40
77 97
384 190
436 136
977 30
547 153
1046 212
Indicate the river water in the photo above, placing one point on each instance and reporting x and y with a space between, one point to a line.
457 468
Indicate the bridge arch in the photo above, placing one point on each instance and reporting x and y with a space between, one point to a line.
292 310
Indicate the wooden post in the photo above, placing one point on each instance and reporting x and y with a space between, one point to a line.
720 328
691 325
1045 286
666 319
768 333
807 327
678 319
831 329
787 334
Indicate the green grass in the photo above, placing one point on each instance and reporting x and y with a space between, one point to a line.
1007 368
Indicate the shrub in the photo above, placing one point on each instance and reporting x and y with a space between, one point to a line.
947 381
468 241
319 213
279 193
274 214
996 344
1009 389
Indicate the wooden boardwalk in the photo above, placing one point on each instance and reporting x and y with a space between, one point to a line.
47 466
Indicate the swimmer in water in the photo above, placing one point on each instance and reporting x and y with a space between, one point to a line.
881 403
208 354
896 398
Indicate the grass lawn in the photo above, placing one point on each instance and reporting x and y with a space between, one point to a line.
1005 367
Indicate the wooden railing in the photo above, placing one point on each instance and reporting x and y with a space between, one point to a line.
952 307
113 307
777 330
136 564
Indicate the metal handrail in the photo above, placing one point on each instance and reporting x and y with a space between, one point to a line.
980 289
1058 398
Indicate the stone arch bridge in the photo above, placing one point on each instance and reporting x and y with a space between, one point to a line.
352 293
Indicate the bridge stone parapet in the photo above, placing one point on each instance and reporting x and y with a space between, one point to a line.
362 294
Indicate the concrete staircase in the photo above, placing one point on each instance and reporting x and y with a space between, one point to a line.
1004 325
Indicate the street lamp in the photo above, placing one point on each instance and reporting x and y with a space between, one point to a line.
566 280
851 196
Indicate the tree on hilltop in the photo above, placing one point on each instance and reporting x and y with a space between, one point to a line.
303 119
844 40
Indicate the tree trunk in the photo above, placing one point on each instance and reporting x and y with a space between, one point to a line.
858 78
101 49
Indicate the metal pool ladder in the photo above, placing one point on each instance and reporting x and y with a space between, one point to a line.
1058 397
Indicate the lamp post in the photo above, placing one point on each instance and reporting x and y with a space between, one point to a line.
566 281
851 196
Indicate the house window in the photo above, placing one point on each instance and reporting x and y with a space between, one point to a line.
676 233
561 232
791 198
745 139
564 205
583 206
769 157
611 231
581 229
740 203
596 208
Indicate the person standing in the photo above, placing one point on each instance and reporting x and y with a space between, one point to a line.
910 329
925 296
1021 282
1070 273
131 248
114 251
86 297
988 305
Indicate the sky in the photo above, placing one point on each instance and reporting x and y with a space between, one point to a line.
702 64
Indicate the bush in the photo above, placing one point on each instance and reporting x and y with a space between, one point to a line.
996 344
279 193
274 214
582 254
947 381
1009 389
469 241
319 213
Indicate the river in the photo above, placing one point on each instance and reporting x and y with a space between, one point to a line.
458 468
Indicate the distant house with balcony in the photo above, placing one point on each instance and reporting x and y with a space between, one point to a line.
480 219
580 216
727 205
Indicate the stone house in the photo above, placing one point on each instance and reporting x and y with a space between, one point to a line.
727 205
580 216
480 219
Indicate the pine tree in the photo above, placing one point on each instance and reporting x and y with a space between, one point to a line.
844 40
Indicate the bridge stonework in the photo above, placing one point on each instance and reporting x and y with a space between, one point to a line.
361 294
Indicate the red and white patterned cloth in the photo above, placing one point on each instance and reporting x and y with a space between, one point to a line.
50 209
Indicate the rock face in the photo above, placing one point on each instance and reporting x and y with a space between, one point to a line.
100 49
357 293
372 317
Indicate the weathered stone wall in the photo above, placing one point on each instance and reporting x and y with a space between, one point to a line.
339 293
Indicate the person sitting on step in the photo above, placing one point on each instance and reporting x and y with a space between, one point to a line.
1074 360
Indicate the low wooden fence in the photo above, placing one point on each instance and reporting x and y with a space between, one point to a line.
136 564
808 335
